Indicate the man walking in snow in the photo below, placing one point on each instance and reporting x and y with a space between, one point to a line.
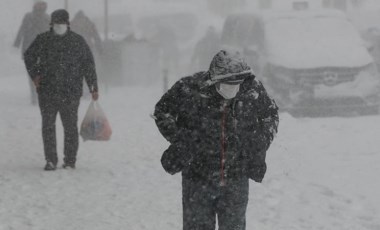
57 62
219 123
33 23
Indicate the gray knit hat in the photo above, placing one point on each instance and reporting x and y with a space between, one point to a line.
60 16
229 67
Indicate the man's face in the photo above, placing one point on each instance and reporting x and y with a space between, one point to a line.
60 29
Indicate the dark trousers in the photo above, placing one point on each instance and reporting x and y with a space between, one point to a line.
203 202
68 111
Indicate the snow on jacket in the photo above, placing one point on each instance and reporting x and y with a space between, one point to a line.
214 139
62 62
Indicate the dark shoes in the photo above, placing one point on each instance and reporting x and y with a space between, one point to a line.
68 165
50 166
68 162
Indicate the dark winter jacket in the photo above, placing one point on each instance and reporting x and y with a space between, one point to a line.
62 62
33 24
214 139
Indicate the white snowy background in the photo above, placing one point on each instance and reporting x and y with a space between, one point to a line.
323 173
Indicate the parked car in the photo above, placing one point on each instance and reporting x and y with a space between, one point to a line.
313 62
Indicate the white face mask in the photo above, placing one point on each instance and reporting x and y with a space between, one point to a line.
227 91
60 29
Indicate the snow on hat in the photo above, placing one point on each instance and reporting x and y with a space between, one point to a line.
229 67
60 17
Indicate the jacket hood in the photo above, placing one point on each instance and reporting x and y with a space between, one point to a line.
228 66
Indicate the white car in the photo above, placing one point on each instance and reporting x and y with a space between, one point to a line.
313 62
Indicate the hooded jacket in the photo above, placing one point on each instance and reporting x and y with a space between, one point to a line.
211 138
62 62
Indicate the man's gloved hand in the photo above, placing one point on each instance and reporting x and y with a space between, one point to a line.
257 172
175 158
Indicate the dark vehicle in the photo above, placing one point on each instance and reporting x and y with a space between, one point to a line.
314 62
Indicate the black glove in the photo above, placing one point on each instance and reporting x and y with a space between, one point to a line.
257 172
257 167
175 158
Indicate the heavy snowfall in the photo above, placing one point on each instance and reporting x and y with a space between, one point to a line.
322 171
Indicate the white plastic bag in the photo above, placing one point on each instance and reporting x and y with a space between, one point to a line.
95 125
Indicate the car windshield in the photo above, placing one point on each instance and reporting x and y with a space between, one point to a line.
305 41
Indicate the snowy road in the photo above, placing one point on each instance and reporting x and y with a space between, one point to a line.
322 173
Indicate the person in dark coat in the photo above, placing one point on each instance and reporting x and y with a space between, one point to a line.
57 62
33 23
82 25
220 124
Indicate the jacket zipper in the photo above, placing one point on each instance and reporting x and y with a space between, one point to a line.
223 145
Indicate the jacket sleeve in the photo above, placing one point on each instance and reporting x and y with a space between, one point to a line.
267 117
89 69
167 110
32 57
268 123
166 113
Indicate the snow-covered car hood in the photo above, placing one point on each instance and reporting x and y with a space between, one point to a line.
314 40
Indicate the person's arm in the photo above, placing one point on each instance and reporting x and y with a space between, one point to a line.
32 59
166 112
89 70
268 116
268 123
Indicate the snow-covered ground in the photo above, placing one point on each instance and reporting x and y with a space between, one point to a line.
322 172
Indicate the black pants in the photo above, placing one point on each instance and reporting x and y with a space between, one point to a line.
68 111
202 202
